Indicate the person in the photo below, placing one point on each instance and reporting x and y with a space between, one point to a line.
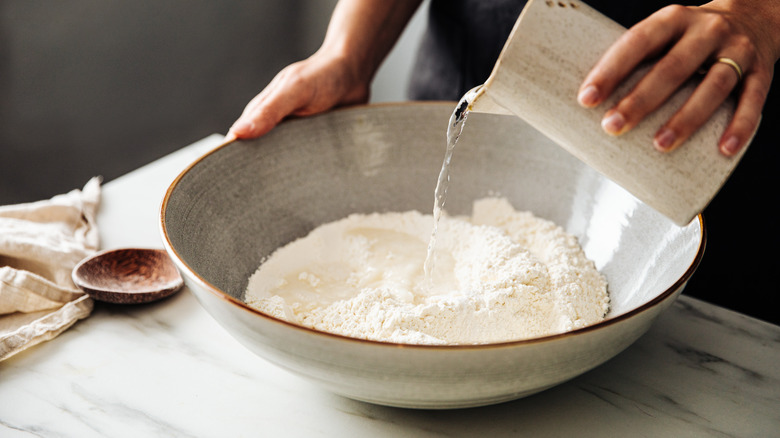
735 42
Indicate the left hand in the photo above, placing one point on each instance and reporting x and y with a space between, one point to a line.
689 38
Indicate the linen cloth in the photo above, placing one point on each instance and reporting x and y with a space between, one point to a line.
40 244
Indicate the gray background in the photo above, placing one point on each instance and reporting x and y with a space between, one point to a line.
92 87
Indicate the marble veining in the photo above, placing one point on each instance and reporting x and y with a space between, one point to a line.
167 369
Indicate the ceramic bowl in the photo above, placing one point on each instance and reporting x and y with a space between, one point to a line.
240 202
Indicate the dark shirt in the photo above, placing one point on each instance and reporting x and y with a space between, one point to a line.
464 38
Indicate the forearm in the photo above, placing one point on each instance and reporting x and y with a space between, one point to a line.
364 31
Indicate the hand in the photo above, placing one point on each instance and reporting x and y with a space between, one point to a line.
690 38
359 36
314 85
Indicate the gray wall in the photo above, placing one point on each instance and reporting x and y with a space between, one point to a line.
93 87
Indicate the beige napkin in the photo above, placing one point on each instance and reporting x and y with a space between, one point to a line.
40 244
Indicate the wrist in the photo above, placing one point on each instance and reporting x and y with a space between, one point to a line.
348 66
362 32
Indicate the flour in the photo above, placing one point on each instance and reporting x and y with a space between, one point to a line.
500 275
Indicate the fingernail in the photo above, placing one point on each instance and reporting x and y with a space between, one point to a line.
613 123
664 139
242 127
588 96
730 146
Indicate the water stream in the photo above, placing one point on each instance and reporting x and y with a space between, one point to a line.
454 129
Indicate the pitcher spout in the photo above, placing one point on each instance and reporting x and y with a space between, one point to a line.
483 103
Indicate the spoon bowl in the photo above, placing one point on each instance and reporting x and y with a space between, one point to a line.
128 276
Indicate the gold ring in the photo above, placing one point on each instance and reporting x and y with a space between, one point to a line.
733 64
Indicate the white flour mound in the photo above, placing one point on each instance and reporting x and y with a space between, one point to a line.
501 275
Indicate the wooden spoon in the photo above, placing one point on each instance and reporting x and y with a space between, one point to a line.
128 275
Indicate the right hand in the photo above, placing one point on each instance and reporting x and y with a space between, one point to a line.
307 87
691 38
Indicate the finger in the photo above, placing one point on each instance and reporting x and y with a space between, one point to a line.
663 80
230 136
272 109
279 99
706 98
747 115
644 40
256 120
245 126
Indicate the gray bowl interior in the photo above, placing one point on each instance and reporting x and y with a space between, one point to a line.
239 203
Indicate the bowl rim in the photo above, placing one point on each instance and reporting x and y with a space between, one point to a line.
657 300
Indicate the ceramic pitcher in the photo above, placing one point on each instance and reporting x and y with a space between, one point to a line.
552 47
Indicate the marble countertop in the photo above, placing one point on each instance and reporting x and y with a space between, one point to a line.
168 369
